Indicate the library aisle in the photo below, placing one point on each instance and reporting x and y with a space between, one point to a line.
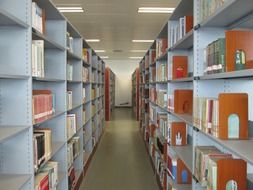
121 161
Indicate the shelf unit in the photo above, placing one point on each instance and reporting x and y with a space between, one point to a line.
192 46
17 84
135 93
109 93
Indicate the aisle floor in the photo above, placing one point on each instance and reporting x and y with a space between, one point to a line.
121 161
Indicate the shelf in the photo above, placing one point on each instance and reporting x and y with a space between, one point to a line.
22 77
184 117
184 43
161 82
7 132
74 81
179 186
247 73
237 147
56 146
6 19
13 182
185 154
47 79
74 106
73 56
56 114
228 14
48 43
185 7
188 79
85 83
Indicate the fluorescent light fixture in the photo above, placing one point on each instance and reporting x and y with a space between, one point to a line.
104 57
92 40
135 57
138 51
100 51
142 41
70 9
156 10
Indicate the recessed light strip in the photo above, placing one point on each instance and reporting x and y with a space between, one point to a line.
104 57
156 10
92 40
99 51
70 9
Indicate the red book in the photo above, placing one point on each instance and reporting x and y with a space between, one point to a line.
44 184
188 23
180 67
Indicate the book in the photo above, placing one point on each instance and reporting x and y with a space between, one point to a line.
69 71
42 181
162 122
180 67
39 150
69 99
51 168
71 125
162 98
85 74
71 178
177 133
84 95
183 101
70 42
162 72
161 47
38 18
38 58
85 55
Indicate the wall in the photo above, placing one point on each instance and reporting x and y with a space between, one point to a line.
123 70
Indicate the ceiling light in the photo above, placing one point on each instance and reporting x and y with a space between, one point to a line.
143 41
135 57
70 9
138 51
92 40
156 10
104 57
99 51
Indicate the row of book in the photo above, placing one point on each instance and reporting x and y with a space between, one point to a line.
42 143
219 118
210 164
160 169
162 98
162 72
93 93
47 178
73 150
38 69
215 57
85 55
162 122
71 125
43 102
161 47
180 28
93 109
70 42
38 18
69 71
85 74
207 8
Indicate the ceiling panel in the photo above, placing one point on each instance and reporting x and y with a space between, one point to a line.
116 23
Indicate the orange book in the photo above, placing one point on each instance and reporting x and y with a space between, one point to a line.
178 134
233 117
188 23
180 67
239 41
183 101
183 171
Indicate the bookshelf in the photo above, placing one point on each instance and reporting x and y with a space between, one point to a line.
189 70
135 92
40 109
109 93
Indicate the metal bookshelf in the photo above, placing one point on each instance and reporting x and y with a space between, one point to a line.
17 83
192 45
109 93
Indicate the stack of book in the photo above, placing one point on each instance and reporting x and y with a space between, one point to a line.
162 98
42 140
207 8
38 58
215 57
69 71
71 125
85 55
181 28
70 43
85 74
161 47
43 105
162 72
69 99
38 18
47 178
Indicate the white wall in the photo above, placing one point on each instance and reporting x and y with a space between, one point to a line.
123 70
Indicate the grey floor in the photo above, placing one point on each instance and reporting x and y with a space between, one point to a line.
121 161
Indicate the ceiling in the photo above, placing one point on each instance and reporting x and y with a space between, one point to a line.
116 23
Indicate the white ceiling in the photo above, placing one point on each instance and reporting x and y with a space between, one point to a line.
116 23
